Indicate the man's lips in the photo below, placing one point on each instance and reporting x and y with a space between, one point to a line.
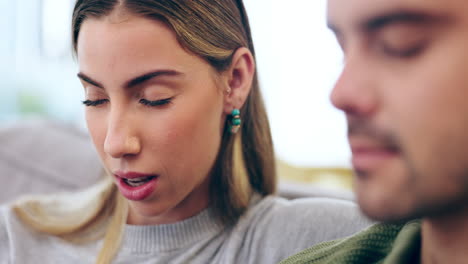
370 154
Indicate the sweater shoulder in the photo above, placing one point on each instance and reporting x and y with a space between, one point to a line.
278 228
322 219
16 238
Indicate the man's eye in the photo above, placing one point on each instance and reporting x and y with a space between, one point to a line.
95 102
156 102
406 52
403 41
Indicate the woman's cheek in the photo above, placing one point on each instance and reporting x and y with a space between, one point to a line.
97 130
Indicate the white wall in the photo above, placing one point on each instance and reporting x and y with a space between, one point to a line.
298 63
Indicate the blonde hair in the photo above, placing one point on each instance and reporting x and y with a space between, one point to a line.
213 30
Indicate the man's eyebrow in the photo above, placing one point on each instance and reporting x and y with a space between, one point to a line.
379 22
135 81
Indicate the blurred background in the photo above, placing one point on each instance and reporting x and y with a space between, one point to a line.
297 57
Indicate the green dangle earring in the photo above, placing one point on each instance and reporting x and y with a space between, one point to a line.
235 121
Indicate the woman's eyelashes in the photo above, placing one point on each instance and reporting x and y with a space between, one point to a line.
94 102
143 101
156 102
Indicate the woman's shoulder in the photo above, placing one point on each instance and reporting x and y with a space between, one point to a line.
289 226
314 213
16 237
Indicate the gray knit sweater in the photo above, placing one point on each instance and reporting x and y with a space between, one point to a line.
271 230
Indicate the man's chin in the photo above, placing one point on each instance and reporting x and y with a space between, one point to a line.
387 217
382 196
384 211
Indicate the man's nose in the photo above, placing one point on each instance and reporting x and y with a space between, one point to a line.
355 90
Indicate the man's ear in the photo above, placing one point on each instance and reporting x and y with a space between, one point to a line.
239 78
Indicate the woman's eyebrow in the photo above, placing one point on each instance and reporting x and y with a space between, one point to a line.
134 81
89 80
149 76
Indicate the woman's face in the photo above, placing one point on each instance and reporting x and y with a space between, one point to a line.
155 114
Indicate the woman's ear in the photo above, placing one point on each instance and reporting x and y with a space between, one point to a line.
239 79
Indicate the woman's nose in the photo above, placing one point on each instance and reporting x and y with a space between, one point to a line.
121 137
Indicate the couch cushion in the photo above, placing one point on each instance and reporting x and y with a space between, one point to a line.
40 156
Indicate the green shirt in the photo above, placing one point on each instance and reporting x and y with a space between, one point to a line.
380 243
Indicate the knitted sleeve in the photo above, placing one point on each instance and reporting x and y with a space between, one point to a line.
369 246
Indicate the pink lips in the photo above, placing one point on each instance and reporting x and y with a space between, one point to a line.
135 193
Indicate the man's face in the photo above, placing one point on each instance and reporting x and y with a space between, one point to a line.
404 90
